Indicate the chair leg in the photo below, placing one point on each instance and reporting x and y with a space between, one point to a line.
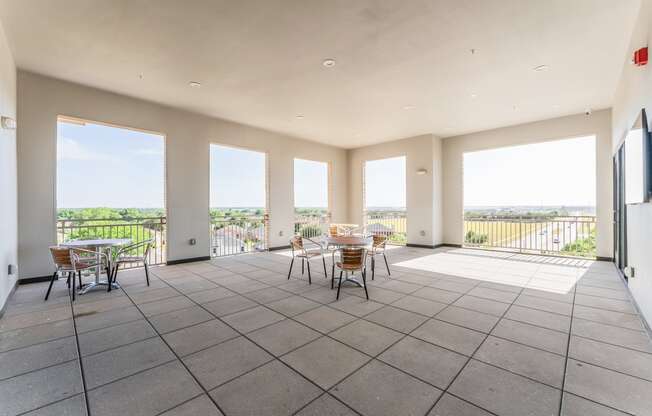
309 277
74 275
303 265
109 277
373 268
364 281
146 273
54 277
291 264
386 265
323 259
339 286
80 281
114 277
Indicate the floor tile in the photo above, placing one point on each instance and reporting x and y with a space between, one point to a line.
200 406
539 318
37 334
165 305
229 305
498 295
147 393
252 319
209 295
324 319
73 406
483 305
279 391
325 361
397 319
283 336
171 321
326 405
453 337
25 320
616 305
452 406
541 366
114 336
534 336
151 295
638 340
194 338
438 295
292 305
623 320
120 362
44 386
620 359
468 318
613 389
373 390
425 361
419 305
113 317
366 336
505 393
221 363
38 356
269 294
357 306
542 304
577 406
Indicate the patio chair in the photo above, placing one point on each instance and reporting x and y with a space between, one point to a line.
378 249
352 260
72 261
299 250
133 253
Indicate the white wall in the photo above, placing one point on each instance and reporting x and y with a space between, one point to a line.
8 213
634 92
188 135
598 124
423 197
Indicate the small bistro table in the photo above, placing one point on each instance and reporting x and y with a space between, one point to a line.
98 245
347 241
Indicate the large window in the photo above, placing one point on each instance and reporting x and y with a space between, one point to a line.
238 200
110 183
311 205
385 198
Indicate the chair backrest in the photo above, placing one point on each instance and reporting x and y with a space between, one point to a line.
353 257
379 240
61 257
296 242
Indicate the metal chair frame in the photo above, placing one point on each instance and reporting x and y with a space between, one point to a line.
352 259
378 248
297 245
72 261
120 258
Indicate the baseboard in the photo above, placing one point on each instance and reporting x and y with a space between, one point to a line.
433 246
419 245
3 309
279 248
37 279
448 245
188 260
609 259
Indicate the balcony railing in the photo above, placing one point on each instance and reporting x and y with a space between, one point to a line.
392 225
561 235
135 229
311 226
245 234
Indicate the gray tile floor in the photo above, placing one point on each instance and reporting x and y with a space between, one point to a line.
452 332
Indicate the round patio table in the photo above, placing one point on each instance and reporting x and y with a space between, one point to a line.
347 228
348 241
98 245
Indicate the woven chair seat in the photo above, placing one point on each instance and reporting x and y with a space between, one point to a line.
129 259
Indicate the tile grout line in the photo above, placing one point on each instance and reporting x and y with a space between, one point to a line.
79 356
570 331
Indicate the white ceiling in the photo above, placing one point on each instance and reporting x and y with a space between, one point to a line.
260 62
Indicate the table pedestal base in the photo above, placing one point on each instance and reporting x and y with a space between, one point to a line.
96 285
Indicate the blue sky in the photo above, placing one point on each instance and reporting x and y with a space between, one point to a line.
385 183
101 166
310 184
237 177
552 173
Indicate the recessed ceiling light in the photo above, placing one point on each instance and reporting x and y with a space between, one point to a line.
328 63
474 95
299 116
540 68
408 107
194 84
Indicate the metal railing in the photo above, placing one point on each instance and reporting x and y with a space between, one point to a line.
311 226
392 225
135 229
565 235
238 235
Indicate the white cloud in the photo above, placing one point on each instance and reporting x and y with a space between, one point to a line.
69 149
